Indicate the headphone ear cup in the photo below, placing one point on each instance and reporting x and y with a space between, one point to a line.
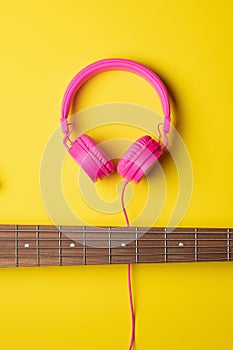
139 158
91 158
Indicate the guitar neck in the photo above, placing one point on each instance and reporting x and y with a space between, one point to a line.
29 245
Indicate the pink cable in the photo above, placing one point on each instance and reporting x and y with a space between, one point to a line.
122 202
129 272
131 308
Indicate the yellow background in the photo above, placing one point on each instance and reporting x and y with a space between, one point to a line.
43 45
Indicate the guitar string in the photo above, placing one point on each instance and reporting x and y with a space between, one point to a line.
49 239
112 255
10 246
142 230
50 262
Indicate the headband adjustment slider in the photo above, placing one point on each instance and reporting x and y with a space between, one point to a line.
64 125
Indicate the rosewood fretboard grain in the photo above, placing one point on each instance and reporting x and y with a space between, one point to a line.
68 245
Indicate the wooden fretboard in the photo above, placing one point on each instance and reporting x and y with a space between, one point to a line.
22 245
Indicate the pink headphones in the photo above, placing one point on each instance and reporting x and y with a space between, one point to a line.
142 154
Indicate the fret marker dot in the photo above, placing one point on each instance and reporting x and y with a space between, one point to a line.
181 244
72 245
123 245
26 245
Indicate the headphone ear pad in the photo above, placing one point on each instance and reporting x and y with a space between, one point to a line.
91 158
139 158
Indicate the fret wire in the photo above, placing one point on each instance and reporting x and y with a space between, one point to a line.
196 247
59 246
109 244
136 246
165 245
37 246
228 244
16 246
84 246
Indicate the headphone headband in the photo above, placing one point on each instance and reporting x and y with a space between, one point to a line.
116 64
142 154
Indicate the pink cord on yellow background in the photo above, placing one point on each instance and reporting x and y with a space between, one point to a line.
129 272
